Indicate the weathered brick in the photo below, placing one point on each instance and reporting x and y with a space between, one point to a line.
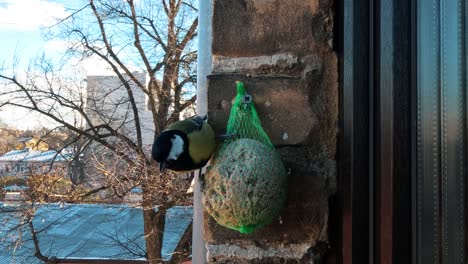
281 50
243 28
283 104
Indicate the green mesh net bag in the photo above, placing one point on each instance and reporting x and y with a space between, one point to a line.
244 121
245 187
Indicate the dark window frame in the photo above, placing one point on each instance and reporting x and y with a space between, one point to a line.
373 202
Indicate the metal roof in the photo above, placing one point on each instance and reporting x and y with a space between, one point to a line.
36 155
47 156
14 155
85 231
15 188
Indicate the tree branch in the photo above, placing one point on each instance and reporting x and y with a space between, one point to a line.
129 90
175 115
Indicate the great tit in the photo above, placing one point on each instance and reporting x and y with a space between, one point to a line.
184 145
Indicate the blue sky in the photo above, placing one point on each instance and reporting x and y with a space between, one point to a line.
21 22
22 25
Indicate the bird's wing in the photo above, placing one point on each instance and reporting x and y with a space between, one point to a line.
188 125
199 120
201 143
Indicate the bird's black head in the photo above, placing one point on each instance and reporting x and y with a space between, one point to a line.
162 146
169 149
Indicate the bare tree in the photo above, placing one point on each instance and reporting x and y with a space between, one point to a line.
22 222
156 35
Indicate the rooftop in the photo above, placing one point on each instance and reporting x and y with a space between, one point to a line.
87 231
36 155
15 188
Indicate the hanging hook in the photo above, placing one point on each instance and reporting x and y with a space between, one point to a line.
247 99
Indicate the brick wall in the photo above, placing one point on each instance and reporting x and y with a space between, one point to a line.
282 51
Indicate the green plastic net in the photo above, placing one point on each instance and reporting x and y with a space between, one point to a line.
245 187
244 121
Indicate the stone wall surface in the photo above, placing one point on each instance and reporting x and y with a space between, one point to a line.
282 51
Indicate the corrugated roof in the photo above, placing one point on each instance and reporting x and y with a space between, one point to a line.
14 155
84 231
15 152
47 156
15 188
36 156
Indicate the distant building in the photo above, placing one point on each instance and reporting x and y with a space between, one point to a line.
107 103
24 162
14 195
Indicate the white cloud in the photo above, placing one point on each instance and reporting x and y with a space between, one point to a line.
56 46
29 15
23 119
94 66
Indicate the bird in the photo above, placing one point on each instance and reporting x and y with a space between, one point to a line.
185 145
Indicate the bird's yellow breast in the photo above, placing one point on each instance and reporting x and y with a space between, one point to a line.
201 143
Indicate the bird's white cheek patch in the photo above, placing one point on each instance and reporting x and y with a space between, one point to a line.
177 148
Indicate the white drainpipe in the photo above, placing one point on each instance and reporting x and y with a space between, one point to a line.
204 64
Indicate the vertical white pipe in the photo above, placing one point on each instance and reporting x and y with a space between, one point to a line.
205 14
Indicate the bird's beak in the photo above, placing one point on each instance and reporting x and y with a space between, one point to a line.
162 167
